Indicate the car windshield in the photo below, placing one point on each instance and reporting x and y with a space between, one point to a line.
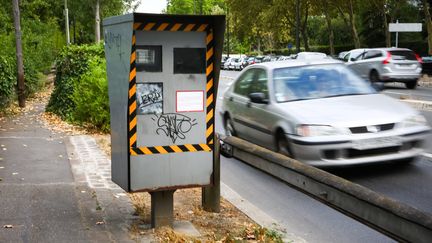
317 81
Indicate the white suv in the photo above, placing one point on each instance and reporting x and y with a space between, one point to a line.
388 65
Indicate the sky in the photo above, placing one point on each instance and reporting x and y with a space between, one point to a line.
151 6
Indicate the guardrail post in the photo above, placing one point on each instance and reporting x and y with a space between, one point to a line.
162 208
211 194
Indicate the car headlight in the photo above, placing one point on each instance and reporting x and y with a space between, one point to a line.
412 121
320 130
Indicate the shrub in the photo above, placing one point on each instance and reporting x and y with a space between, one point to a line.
7 80
91 96
71 63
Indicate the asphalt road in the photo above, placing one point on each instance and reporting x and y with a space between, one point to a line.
313 221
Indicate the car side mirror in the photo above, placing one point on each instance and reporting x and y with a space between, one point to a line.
258 98
352 59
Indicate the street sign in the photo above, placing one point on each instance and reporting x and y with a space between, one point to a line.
405 27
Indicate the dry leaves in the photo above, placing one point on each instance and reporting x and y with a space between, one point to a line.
8 226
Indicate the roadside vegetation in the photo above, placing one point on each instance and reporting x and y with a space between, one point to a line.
330 26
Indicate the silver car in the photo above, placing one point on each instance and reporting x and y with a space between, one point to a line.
388 65
321 113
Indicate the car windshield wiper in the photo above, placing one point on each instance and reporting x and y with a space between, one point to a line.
299 99
348 94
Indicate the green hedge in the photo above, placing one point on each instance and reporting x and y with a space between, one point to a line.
71 63
91 96
8 80
81 89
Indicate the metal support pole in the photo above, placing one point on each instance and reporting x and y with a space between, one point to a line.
162 208
397 35
67 23
210 195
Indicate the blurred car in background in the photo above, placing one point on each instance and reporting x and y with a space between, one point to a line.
352 55
240 63
229 63
253 60
223 60
341 55
321 113
310 55
388 65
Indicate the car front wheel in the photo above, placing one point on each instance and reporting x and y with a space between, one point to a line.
411 84
283 146
229 128
374 76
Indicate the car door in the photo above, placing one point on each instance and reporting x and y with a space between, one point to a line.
357 64
259 117
237 100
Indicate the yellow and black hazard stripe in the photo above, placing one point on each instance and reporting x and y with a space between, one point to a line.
167 26
132 96
210 87
210 103
171 149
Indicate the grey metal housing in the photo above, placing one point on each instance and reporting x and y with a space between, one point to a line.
158 171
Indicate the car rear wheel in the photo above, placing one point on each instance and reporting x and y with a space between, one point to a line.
411 84
229 128
374 76
283 146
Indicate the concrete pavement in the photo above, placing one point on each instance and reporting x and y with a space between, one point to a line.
44 199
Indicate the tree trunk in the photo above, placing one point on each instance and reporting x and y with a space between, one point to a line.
329 27
304 31
428 25
353 27
297 27
386 27
19 54
97 23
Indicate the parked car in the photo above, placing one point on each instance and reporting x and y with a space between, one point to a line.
253 60
310 55
321 113
388 65
229 63
224 58
240 63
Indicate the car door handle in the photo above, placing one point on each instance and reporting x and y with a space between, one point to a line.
231 98
249 104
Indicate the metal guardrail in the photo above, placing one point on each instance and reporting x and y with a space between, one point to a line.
388 216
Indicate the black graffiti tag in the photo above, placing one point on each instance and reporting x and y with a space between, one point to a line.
174 125
154 96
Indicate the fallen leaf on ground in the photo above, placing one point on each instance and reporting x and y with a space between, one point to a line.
15 173
8 226
100 223
4 149
25 145
60 156
1 167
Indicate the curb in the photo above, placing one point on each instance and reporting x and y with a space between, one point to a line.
419 105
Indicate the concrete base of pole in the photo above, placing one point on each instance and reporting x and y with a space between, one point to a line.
162 208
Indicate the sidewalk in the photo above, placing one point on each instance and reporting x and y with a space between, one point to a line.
43 199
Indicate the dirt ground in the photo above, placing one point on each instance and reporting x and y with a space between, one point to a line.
230 225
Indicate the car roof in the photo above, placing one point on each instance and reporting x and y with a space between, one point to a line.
392 49
295 63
